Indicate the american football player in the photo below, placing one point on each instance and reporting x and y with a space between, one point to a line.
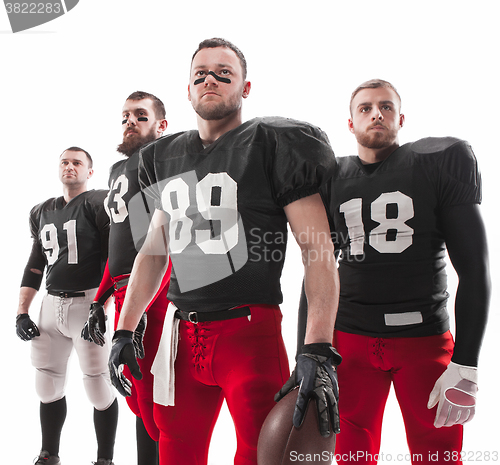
224 194
70 241
143 120
395 211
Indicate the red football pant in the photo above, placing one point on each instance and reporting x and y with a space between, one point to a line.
242 361
141 400
365 375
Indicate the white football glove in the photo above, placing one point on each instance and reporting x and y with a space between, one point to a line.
455 393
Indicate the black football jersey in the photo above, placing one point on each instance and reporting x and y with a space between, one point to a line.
123 186
386 226
227 228
74 239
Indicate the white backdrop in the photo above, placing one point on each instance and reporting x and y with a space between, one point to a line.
64 83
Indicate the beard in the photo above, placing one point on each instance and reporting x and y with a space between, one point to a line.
134 142
219 111
376 140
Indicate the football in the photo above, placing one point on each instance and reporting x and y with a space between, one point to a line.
281 443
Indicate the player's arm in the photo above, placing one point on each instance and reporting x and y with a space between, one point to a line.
465 238
31 281
102 222
146 277
147 274
95 326
466 242
26 297
309 225
315 371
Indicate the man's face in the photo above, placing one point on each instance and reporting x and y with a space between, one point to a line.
139 125
213 99
74 169
376 119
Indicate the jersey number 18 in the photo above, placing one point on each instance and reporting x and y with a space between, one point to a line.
392 235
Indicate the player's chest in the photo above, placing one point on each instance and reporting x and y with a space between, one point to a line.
67 232
387 213
123 186
229 178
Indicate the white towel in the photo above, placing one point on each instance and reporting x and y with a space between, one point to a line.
163 367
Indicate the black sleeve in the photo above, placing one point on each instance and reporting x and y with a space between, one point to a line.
36 261
304 161
147 175
101 219
465 237
302 320
459 176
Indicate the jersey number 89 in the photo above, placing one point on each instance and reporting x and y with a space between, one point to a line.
216 201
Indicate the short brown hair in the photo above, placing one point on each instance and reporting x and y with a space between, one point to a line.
218 42
373 84
158 106
78 149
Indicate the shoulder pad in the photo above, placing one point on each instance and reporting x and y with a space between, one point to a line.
434 144
166 141
117 165
45 205
133 161
457 154
96 196
279 122
454 166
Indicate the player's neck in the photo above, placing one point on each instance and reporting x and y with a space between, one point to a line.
211 130
70 192
369 156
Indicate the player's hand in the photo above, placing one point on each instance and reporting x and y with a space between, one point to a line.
25 328
95 326
123 353
455 393
139 336
316 375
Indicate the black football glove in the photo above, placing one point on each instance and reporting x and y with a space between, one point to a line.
25 328
316 375
139 336
95 326
123 353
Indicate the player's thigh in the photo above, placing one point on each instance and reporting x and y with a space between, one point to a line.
93 359
187 427
421 361
363 391
413 383
78 313
363 385
154 327
196 408
251 366
152 336
51 350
